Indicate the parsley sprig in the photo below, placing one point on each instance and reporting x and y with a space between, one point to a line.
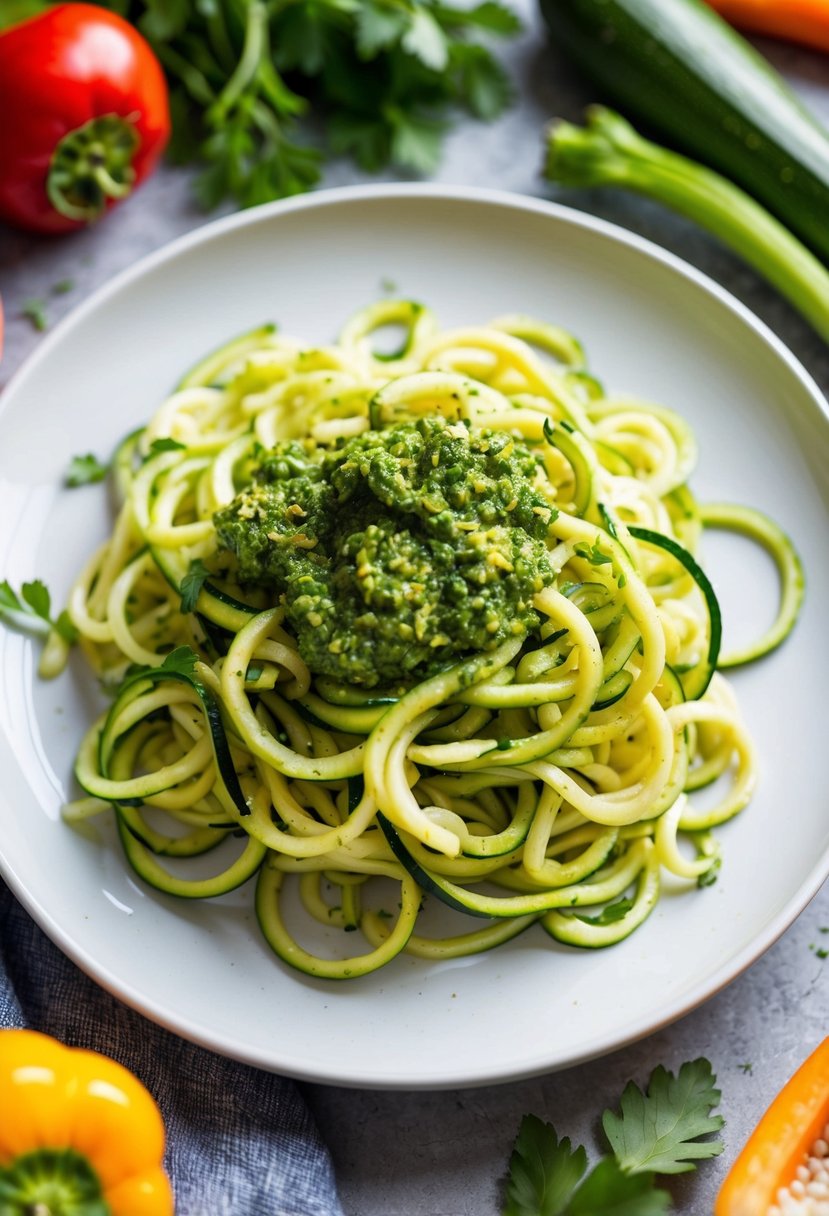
192 583
379 79
659 1131
31 610
181 661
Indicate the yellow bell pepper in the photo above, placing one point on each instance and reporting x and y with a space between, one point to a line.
79 1134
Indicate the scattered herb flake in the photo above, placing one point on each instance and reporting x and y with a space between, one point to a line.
85 470
63 287
35 311
609 914
747 1068
593 554
709 876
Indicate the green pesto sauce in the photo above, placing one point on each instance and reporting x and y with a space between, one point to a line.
398 551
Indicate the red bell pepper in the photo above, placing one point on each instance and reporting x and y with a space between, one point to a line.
85 116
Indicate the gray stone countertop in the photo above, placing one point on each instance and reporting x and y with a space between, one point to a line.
445 1153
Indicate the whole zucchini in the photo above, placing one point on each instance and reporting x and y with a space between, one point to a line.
681 68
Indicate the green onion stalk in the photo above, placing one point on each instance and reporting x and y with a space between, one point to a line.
607 151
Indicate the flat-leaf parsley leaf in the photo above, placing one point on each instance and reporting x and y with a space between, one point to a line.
656 1133
192 584
179 662
607 1190
660 1131
543 1171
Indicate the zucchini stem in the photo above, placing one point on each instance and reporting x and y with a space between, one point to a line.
609 152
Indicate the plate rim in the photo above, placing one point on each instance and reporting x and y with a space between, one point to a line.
489 198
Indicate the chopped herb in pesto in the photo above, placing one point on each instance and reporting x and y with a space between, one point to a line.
397 551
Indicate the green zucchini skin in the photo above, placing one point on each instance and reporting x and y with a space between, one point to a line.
680 68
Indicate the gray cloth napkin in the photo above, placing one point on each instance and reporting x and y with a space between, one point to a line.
239 1141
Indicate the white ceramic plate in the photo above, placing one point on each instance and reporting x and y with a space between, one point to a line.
651 326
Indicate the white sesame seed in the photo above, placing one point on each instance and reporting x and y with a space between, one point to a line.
808 1193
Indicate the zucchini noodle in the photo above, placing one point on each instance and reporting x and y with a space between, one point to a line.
548 776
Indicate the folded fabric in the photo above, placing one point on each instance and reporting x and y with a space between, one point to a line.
239 1141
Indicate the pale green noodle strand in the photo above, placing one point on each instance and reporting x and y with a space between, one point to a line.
549 776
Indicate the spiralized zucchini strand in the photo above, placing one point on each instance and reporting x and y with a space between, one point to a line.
548 776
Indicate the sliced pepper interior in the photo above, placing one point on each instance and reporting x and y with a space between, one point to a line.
782 1141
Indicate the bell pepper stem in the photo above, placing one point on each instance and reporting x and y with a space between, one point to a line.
108 185
609 152
92 165
13 12
51 1182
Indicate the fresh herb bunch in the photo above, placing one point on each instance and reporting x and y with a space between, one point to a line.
376 79
656 1132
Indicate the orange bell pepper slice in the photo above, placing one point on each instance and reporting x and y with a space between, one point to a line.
780 1142
805 21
